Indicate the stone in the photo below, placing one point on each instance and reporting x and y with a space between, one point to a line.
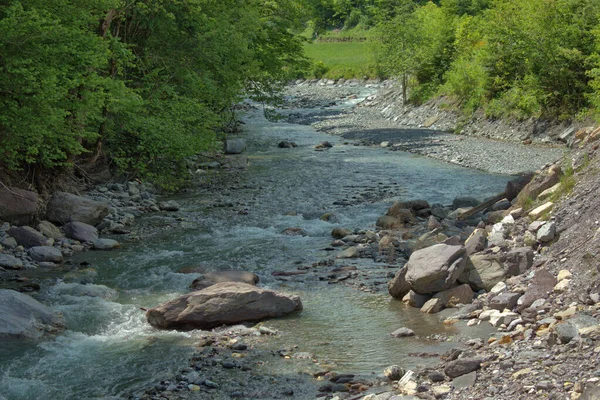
535 225
546 232
541 286
498 288
529 239
538 184
508 220
65 207
50 230
563 274
436 376
541 210
8 242
562 286
393 373
398 287
548 192
465 381
502 205
225 303
517 213
26 236
46 254
286 144
483 271
590 392
441 391
340 233
435 268
18 206
211 278
105 244
503 318
170 205
461 294
350 252
433 223
81 231
476 241
433 306
518 261
87 290
505 300
565 332
402 332
414 299
462 366
23 317
10 262
387 222
235 146
464 202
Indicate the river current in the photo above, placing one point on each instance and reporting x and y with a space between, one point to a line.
109 350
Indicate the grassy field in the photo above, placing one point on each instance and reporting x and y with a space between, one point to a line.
347 60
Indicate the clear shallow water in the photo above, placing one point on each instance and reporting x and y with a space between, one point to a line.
109 349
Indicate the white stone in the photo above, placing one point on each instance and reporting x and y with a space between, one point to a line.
562 286
564 274
539 211
498 288
509 219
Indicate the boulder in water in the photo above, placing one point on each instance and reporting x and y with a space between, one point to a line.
235 146
23 317
65 207
211 278
435 268
226 303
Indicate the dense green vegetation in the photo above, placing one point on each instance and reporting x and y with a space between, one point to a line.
337 60
145 83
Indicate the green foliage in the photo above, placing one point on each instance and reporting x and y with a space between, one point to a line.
145 82
347 60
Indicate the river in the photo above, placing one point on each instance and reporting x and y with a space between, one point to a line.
109 350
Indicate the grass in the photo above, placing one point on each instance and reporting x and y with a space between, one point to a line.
342 59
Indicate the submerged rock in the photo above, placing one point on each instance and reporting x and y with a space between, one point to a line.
211 278
226 303
23 317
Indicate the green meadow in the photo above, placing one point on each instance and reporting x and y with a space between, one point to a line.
335 60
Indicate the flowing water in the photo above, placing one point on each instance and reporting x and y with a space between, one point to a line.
109 349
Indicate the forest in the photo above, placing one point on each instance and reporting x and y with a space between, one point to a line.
147 83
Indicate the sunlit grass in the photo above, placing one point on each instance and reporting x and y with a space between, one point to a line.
343 59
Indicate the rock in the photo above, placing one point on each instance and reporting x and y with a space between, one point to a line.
323 146
50 230
483 271
504 300
440 392
591 392
402 332
549 192
529 239
518 261
340 233
502 205
465 381
433 306
170 205
81 231
211 278
562 286
538 184
235 146
461 367
414 299
435 268
350 252
294 232
387 222
476 241
457 295
225 303
26 236
541 286
87 290
563 274
65 207
23 317
10 262
464 202
284 144
105 244
541 210
498 288
46 254
546 232
8 242
398 287
17 206
433 223
565 332
393 372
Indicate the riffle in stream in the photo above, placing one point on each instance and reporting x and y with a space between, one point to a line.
110 351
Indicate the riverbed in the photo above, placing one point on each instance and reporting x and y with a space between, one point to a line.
109 351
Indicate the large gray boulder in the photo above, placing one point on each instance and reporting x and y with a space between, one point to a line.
26 236
435 268
210 278
65 207
17 206
23 317
483 271
81 231
10 262
46 254
50 230
226 303
398 287
518 261
235 146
